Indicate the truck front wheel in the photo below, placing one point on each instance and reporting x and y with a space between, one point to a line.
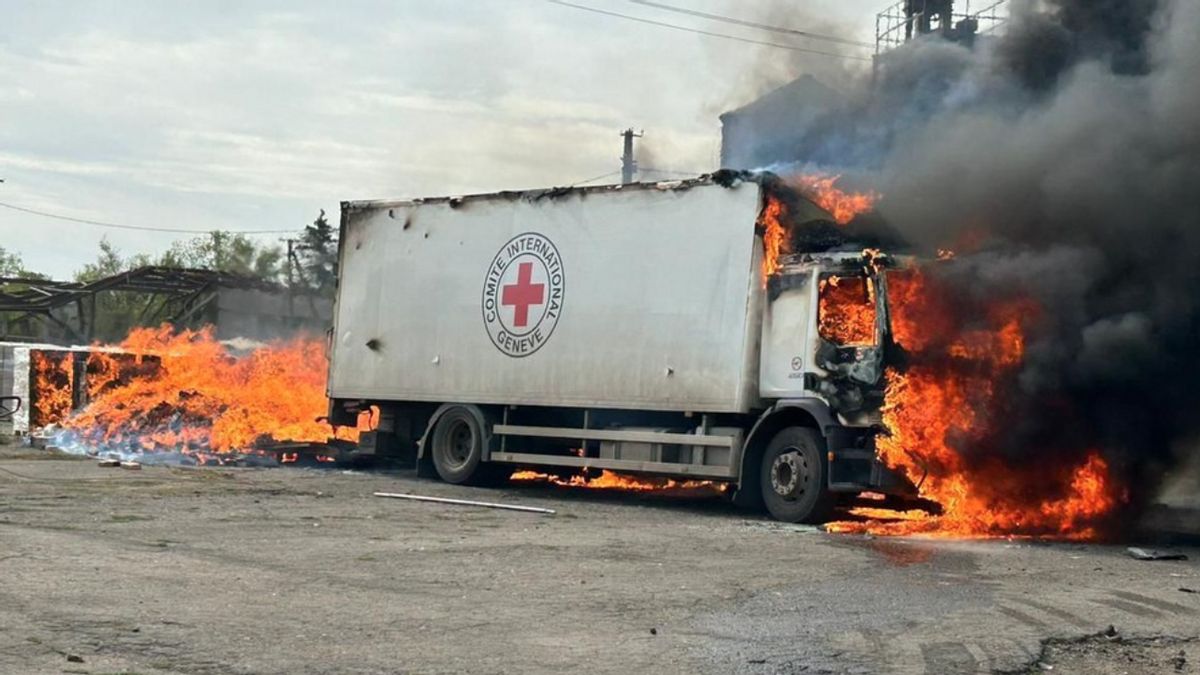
456 445
793 477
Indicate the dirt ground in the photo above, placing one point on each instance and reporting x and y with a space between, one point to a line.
172 570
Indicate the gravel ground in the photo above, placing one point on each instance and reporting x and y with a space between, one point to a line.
171 570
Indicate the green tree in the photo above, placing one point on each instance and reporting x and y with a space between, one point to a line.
317 253
108 263
11 265
226 252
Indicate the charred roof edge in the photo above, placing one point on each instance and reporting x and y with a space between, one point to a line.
727 178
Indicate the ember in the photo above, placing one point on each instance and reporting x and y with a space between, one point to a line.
201 400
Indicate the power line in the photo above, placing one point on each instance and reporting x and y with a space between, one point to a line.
708 33
138 228
594 178
671 172
753 24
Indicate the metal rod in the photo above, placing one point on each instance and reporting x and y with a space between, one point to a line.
465 502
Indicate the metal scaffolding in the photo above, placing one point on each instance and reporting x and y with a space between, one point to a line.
174 295
909 19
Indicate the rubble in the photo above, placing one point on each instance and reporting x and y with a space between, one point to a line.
1152 554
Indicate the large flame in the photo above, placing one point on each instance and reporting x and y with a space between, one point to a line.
53 386
847 310
942 410
823 191
774 235
185 391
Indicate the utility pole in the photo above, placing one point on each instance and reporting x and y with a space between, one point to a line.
628 163
291 276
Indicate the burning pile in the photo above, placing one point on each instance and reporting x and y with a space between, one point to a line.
189 394
55 377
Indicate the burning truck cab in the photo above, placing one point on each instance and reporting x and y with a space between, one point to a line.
724 329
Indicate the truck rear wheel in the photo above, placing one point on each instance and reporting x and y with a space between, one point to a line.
456 446
793 477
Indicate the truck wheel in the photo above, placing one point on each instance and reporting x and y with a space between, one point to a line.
456 445
793 477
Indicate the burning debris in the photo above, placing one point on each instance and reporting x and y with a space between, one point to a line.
609 480
183 397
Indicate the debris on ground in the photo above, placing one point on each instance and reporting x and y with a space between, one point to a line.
1152 554
466 502
1104 655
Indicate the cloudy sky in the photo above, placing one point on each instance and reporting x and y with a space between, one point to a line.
245 115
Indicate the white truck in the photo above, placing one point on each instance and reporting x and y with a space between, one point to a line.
630 328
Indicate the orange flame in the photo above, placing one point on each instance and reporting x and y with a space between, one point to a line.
820 189
608 480
201 398
53 386
775 239
847 310
952 397
843 206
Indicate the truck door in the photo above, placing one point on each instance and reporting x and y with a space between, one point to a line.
788 334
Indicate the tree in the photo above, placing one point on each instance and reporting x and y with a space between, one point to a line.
107 264
317 254
225 252
11 265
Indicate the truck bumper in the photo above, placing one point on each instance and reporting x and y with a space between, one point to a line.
857 470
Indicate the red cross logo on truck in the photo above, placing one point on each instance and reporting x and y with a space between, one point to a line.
523 294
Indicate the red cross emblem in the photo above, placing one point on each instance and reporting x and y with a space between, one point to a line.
522 294
527 275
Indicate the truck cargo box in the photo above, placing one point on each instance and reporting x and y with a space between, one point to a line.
630 297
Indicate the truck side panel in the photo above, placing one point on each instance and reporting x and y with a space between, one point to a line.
654 306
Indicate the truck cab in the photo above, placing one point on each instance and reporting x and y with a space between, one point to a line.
826 333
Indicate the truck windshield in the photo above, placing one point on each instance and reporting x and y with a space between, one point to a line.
846 315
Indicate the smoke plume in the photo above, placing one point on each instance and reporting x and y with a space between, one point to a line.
1062 160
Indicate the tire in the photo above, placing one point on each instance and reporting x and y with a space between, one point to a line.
456 446
793 477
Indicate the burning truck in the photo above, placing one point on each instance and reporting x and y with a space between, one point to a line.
669 329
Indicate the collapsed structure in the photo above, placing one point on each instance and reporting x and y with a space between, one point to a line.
66 312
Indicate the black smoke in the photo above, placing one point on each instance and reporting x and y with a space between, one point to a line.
1064 159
